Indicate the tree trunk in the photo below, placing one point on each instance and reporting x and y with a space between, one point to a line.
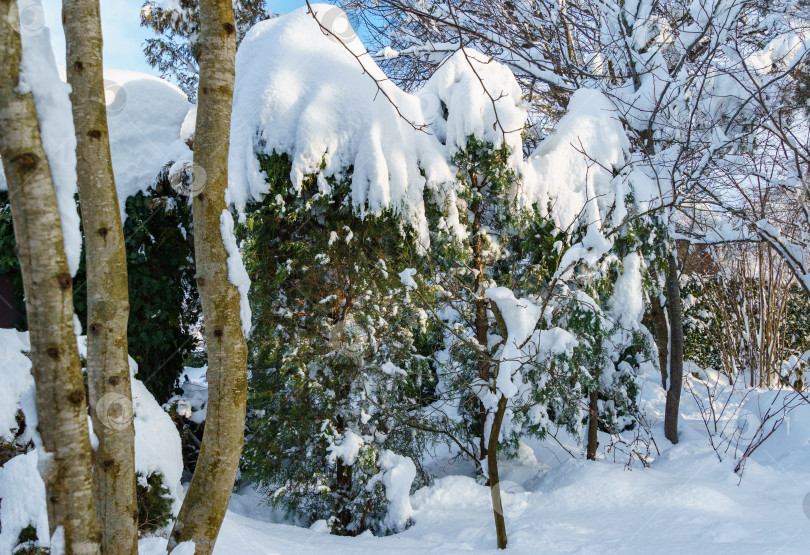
481 320
675 352
107 289
48 286
343 484
210 490
593 425
492 468
658 318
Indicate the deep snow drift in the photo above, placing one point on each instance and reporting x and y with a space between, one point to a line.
685 502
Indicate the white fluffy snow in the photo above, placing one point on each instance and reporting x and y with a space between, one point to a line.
15 375
520 317
347 449
312 99
406 277
572 168
686 502
38 75
627 302
157 443
398 473
482 98
146 117
237 274
23 493
330 108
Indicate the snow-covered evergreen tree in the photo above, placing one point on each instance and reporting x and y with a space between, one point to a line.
335 362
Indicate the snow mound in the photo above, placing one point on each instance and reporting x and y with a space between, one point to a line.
39 76
15 375
23 493
301 92
157 443
347 450
145 116
325 103
482 98
571 170
397 475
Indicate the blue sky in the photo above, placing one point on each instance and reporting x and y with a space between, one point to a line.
121 30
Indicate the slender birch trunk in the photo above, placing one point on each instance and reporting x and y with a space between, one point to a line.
107 288
210 490
48 287
675 352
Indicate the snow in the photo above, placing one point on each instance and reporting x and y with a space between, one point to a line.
498 116
571 169
237 274
686 502
20 483
157 546
520 317
398 473
330 108
627 301
300 92
15 375
39 76
146 117
58 546
406 277
192 403
157 442
347 450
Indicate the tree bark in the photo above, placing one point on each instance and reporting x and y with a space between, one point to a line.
210 490
481 320
593 425
492 468
675 352
48 286
107 289
658 318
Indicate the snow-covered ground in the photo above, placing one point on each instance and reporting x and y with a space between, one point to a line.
687 501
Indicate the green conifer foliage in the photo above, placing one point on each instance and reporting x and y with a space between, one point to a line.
523 250
334 353
164 305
